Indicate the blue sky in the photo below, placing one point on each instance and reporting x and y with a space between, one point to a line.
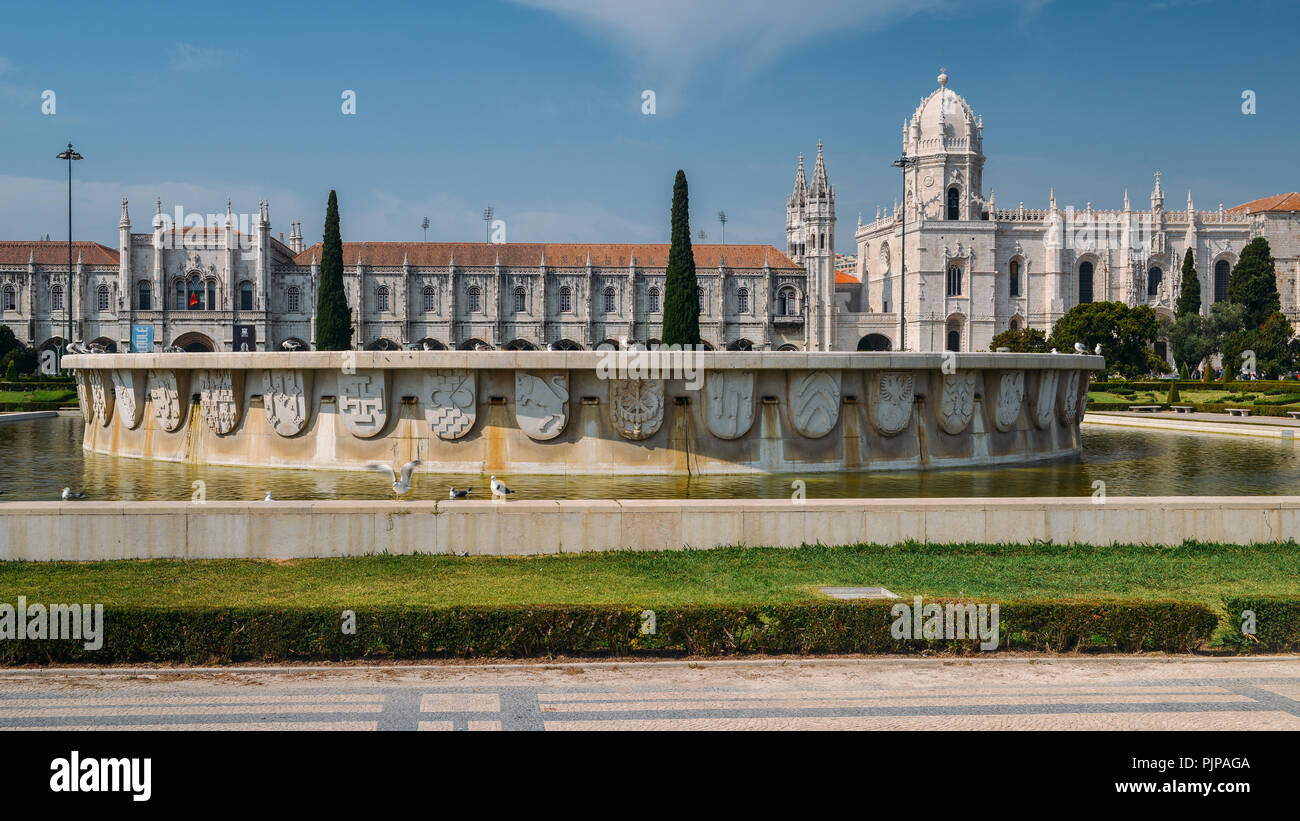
534 107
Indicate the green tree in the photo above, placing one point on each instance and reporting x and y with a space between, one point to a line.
1276 353
11 372
1189 296
1125 335
1253 283
681 289
8 341
333 316
1021 340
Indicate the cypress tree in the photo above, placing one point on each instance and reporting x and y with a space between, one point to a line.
333 316
1189 297
1253 284
681 289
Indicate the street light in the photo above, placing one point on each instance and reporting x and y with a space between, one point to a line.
722 218
68 155
487 224
904 162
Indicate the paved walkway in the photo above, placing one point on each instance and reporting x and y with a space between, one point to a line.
1274 427
1012 693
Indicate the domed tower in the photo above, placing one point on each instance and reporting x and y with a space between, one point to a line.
948 141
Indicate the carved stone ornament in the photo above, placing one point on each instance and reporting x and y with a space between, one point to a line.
814 401
221 394
128 395
891 395
286 400
1045 398
636 407
1011 394
101 396
729 397
542 403
363 402
957 401
452 401
168 391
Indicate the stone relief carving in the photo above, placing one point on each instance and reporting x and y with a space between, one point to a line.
636 407
220 395
363 402
542 403
101 397
83 397
453 399
1011 393
286 399
814 401
167 394
1068 404
957 401
128 395
891 394
730 398
1045 398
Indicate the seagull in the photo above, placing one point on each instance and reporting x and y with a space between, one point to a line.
1079 347
402 487
1054 350
458 494
292 345
1097 350
68 495
268 497
173 349
499 488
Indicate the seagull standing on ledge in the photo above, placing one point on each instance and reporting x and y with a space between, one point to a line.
402 487
1097 350
1079 347
268 497
499 488
69 496
459 494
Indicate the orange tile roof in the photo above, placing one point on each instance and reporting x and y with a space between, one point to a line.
1277 202
54 252
845 278
525 254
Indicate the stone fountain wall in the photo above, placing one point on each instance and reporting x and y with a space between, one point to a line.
585 412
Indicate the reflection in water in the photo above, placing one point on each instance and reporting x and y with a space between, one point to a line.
38 459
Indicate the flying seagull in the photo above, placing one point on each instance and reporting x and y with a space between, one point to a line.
402 487
499 488
68 495
459 494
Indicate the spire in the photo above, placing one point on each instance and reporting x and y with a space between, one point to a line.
1157 196
800 182
230 220
1190 208
158 217
1051 199
943 77
126 219
820 185
1126 205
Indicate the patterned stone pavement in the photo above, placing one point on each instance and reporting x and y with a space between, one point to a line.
769 694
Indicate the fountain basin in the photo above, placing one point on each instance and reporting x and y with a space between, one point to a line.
585 412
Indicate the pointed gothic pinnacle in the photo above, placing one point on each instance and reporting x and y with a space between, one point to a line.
1052 198
1126 205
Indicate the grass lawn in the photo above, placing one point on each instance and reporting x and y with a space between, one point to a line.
1191 572
55 395
1186 396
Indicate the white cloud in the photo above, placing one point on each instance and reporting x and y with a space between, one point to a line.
189 57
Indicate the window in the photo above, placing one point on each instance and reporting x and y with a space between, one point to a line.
1015 324
699 296
954 203
9 299
381 299
294 299
246 296
212 296
787 302
101 298
473 296
654 300
194 295
56 298
742 301
611 300
954 280
1013 281
1085 282
520 299
180 295
1222 273
429 305
144 300
1153 281
954 335
566 300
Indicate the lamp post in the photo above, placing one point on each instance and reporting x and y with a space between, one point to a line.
68 155
904 162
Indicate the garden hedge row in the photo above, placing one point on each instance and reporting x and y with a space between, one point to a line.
306 634
1195 384
1277 623
1255 410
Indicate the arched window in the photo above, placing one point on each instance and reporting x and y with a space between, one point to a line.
654 300
1222 273
428 299
101 298
194 294
1153 281
954 334
742 301
954 280
56 298
1013 280
787 303
212 296
180 295
1085 283
699 296
954 203
1015 323
611 300
294 298
9 299
473 296
521 297
566 299
246 296
381 299
144 298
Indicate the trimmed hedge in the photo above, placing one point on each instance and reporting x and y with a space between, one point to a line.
1217 407
1258 386
303 634
1277 623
